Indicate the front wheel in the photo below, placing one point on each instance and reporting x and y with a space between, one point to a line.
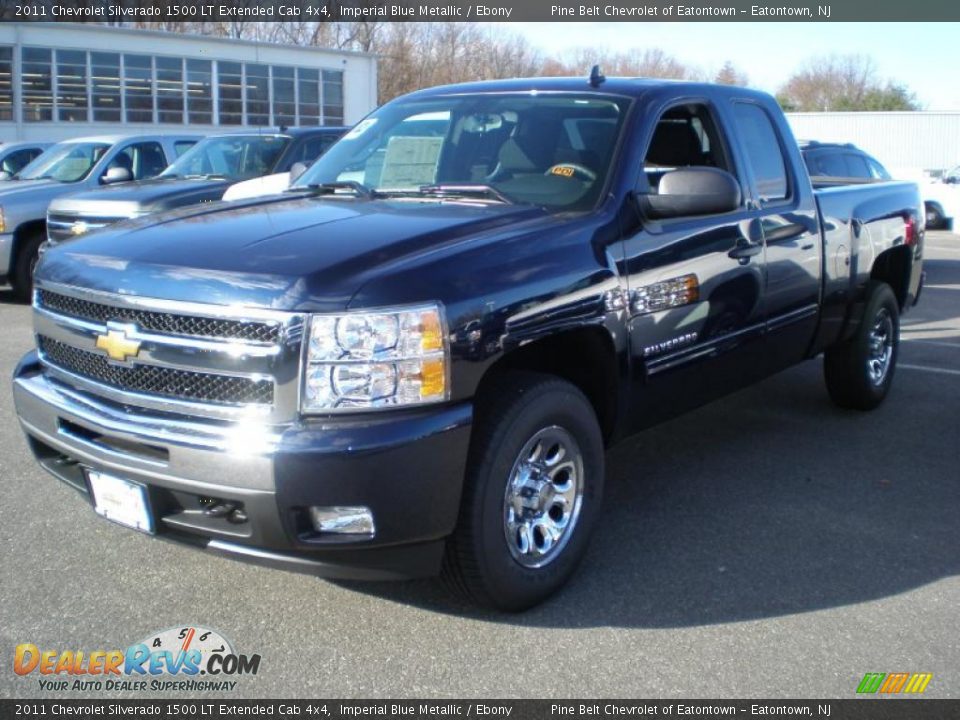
859 371
24 265
533 488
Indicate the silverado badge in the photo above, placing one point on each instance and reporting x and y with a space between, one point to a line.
117 346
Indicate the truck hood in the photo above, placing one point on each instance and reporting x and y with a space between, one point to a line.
310 253
12 189
128 199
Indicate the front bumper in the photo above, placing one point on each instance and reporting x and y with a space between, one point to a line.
6 253
406 466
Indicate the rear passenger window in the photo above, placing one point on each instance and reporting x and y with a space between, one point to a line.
764 154
857 166
877 170
829 165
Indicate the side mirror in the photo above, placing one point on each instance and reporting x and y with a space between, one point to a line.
296 170
5 175
692 191
952 179
116 175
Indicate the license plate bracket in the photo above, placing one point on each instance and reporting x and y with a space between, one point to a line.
121 501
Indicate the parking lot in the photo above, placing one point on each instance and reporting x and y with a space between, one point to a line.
768 545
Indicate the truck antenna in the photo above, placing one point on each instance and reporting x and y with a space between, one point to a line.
596 76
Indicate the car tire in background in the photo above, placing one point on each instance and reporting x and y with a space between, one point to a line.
859 371
935 219
24 264
532 492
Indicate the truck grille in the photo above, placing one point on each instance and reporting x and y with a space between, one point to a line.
60 225
161 322
155 380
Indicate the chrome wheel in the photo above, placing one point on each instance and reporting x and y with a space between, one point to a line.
880 347
544 494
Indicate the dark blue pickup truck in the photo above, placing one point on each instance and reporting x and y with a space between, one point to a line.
412 362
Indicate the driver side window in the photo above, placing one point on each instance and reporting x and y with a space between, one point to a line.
685 136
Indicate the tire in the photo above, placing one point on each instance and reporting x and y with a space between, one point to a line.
516 495
24 263
934 220
859 371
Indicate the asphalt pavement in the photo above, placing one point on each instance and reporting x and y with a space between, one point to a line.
767 545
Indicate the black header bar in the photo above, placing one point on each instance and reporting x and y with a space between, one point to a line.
487 11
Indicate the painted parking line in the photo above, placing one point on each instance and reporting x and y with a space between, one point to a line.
942 371
938 343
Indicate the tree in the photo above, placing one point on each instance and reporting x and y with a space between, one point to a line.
843 83
730 74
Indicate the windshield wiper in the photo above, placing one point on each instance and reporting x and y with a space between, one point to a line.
204 176
330 188
453 190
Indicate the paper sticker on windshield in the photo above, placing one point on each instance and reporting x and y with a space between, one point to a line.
360 128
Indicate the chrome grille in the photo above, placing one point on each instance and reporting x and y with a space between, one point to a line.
161 322
60 225
156 380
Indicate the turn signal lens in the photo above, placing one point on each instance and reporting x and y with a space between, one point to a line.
375 360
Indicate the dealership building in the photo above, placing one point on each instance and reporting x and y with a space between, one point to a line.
60 80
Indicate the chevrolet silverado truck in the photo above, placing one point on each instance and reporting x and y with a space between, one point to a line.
202 174
65 168
412 363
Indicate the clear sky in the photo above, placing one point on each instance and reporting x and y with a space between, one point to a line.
924 56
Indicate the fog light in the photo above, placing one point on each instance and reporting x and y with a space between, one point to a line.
344 520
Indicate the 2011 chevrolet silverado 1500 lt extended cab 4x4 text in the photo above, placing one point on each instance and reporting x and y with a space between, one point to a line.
412 363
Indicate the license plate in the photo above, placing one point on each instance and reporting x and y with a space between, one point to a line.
120 500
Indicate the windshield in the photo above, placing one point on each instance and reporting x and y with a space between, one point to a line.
546 149
235 157
67 162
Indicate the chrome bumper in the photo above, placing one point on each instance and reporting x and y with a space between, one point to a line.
407 468
168 451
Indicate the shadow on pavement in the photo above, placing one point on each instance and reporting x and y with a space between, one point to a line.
767 503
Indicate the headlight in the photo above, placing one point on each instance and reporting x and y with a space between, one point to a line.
3 222
373 360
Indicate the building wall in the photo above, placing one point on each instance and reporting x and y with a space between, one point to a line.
99 80
903 141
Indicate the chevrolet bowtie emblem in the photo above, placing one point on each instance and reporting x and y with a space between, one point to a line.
117 346
79 227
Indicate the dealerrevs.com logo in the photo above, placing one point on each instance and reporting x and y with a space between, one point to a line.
189 658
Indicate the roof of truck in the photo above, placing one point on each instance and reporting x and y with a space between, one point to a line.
112 139
627 86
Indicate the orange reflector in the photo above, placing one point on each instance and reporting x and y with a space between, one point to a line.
433 379
431 334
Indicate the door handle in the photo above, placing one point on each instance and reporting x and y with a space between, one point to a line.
745 250
784 232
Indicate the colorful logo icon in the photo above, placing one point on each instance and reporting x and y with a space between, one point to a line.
894 683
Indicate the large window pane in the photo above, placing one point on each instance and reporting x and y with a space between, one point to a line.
138 83
230 93
309 96
169 90
258 95
105 80
72 85
6 83
36 86
284 100
332 97
199 98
